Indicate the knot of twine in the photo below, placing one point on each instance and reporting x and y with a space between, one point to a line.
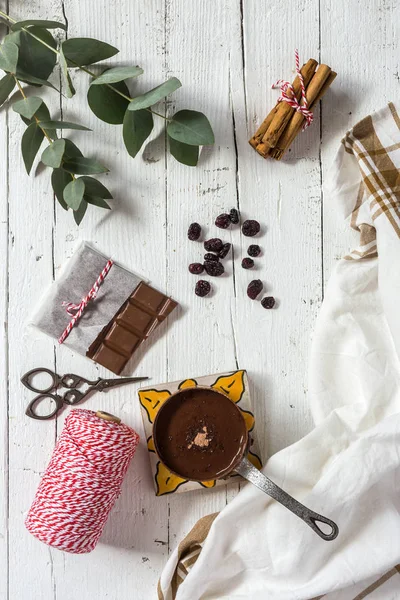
288 95
76 310
82 482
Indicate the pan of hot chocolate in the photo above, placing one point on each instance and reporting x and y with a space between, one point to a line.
200 434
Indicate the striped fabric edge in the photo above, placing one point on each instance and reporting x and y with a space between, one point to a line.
372 587
189 551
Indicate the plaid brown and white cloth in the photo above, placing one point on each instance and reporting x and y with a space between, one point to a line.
348 467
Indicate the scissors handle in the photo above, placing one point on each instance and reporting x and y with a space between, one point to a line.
32 408
26 380
70 380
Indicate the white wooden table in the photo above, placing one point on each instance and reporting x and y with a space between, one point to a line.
227 53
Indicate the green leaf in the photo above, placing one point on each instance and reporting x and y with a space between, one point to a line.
93 187
59 180
39 23
30 144
117 74
86 51
52 156
185 154
43 115
80 213
137 128
84 166
73 193
7 84
71 151
106 104
155 95
191 127
70 90
35 59
27 107
36 81
97 201
63 125
8 56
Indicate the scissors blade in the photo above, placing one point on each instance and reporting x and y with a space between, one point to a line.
105 384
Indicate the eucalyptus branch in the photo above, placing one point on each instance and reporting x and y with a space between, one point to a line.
29 54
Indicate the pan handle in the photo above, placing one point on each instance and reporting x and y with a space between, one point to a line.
252 474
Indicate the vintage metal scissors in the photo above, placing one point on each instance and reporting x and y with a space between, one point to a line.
71 396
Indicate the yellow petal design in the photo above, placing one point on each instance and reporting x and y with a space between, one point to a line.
231 385
152 400
249 418
255 460
166 481
188 383
150 444
208 484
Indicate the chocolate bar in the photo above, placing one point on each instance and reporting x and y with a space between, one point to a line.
144 310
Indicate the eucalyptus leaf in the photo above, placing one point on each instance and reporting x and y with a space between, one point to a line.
80 213
63 125
106 104
42 114
117 74
71 151
69 88
39 23
30 144
191 127
59 180
52 156
137 128
27 107
8 56
84 166
73 193
35 59
185 154
7 84
93 187
155 95
86 51
36 81
97 201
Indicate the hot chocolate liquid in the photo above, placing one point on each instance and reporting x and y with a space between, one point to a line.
200 434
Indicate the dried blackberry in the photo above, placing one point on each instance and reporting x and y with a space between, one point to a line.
225 249
247 263
196 268
213 245
202 288
223 221
234 216
215 269
254 288
194 232
250 228
268 302
254 250
212 257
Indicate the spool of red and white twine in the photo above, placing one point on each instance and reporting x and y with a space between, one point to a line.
82 482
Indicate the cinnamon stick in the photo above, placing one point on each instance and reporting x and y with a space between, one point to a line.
297 119
295 124
276 121
284 111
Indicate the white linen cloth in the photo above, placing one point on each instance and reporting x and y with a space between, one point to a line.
348 467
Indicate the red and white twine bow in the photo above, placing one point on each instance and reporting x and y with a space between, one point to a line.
288 95
76 310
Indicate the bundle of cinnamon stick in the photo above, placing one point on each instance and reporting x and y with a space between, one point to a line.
278 130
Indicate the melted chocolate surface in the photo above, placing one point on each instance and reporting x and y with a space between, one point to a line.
200 434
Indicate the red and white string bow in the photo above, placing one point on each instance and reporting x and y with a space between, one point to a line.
76 310
288 95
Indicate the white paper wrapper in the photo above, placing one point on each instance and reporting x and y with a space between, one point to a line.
74 282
